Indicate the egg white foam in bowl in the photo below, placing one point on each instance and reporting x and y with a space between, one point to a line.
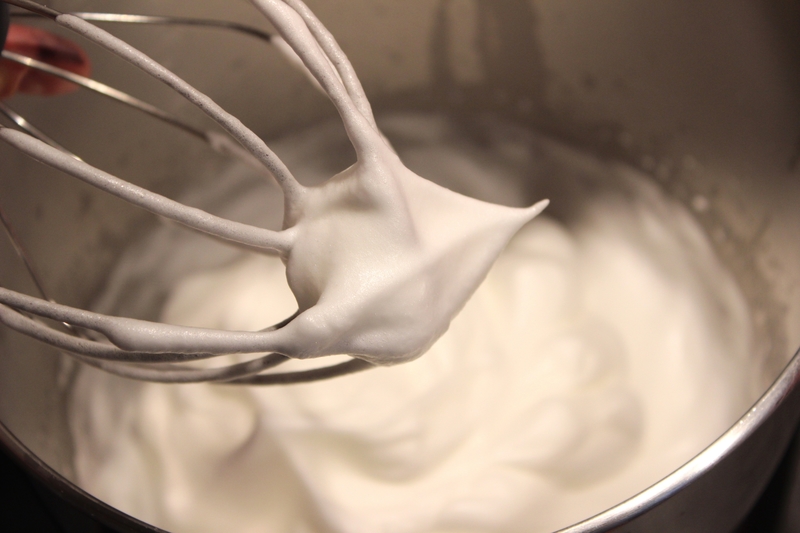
607 346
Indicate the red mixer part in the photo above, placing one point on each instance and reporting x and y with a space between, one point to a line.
48 48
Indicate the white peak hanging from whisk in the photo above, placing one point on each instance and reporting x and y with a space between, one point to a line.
381 259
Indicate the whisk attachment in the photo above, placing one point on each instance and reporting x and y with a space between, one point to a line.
23 313
379 259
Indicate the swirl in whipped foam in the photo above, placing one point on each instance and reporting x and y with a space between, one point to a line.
601 352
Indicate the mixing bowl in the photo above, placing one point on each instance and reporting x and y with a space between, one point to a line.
701 95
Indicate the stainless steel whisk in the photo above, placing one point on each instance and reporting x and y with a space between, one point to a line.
103 341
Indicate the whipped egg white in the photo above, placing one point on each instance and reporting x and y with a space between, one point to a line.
604 349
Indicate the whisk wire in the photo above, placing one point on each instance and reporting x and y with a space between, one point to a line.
337 57
127 18
23 124
22 253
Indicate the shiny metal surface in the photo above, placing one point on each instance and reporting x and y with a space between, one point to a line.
704 96
128 18
714 491
105 90
22 123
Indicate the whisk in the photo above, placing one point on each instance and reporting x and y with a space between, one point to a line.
145 350
383 303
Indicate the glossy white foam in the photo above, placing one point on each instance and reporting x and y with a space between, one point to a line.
596 357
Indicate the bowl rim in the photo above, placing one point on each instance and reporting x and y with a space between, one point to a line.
703 462
67 490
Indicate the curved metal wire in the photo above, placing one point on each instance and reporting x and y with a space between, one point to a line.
107 91
23 124
128 18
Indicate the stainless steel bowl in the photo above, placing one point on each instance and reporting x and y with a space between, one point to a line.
705 96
